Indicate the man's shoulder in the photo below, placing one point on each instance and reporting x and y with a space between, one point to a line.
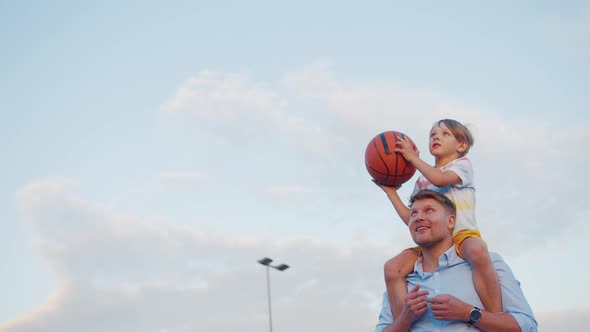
495 256
498 261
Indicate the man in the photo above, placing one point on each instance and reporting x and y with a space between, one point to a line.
440 272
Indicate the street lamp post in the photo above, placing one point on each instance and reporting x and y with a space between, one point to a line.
282 267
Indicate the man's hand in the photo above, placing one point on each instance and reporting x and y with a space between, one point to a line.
415 304
448 307
387 189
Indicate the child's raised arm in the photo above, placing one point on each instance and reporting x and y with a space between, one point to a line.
435 176
402 210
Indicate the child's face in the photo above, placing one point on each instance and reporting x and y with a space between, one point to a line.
443 143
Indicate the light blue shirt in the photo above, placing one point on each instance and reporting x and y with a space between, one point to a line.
454 276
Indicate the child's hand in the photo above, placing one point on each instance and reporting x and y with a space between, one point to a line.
406 149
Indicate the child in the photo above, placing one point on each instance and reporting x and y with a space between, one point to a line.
451 175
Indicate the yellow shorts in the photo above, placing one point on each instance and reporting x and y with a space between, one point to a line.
458 238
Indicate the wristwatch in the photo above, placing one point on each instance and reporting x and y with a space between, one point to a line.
474 315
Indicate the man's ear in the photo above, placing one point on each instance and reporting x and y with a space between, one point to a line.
451 224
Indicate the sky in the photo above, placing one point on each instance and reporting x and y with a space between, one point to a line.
153 151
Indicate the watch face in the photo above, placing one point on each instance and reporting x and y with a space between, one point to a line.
475 315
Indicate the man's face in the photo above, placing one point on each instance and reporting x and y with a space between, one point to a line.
430 222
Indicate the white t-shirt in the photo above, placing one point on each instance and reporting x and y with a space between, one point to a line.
463 194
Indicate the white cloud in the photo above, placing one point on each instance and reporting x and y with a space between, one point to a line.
124 273
526 180
210 96
523 167
372 106
233 98
572 320
513 158
526 197
314 80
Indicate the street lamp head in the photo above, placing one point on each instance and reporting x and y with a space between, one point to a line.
281 267
265 261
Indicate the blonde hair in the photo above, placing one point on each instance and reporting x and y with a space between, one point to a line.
461 133
440 198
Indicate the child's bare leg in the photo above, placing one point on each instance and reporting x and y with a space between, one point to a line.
396 270
485 278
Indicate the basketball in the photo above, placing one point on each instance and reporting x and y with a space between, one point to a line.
384 164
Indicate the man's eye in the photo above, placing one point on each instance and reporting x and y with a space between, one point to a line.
429 210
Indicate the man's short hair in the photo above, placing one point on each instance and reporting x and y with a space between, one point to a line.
442 199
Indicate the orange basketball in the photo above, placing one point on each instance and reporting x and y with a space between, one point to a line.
384 164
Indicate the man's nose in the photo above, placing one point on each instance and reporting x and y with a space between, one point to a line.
419 216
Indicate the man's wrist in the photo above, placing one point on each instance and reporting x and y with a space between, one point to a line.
466 311
474 315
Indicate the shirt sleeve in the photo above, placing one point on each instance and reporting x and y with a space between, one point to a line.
464 170
416 189
385 316
513 299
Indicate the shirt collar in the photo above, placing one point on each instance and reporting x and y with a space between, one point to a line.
447 258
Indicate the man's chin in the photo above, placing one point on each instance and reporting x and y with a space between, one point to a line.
421 236
424 241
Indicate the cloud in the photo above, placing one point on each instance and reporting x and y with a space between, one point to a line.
127 273
174 276
371 106
572 320
523 165
512 157
314 80
235 104
230 97
525 180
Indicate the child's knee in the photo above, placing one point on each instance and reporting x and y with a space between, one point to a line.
399 267
476 254
393 270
